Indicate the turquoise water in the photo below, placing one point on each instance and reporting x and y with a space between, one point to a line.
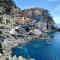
40 49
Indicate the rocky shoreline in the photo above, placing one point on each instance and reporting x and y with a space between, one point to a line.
11 42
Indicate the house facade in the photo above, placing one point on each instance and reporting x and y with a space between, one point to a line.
24 21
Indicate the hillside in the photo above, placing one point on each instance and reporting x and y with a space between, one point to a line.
37 14
8 8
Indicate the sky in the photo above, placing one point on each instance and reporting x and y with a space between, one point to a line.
52 5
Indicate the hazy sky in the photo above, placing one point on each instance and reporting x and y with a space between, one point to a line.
52 5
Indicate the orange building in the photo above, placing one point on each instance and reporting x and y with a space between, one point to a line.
24 21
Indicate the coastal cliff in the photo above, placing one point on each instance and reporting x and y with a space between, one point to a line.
20 26
10 13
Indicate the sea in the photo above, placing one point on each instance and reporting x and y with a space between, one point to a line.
40 49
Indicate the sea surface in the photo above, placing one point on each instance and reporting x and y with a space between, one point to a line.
40 49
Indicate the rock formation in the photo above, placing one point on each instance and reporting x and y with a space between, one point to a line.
8 8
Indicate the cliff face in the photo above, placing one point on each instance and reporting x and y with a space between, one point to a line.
9 8
39 14
8 12
6 5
